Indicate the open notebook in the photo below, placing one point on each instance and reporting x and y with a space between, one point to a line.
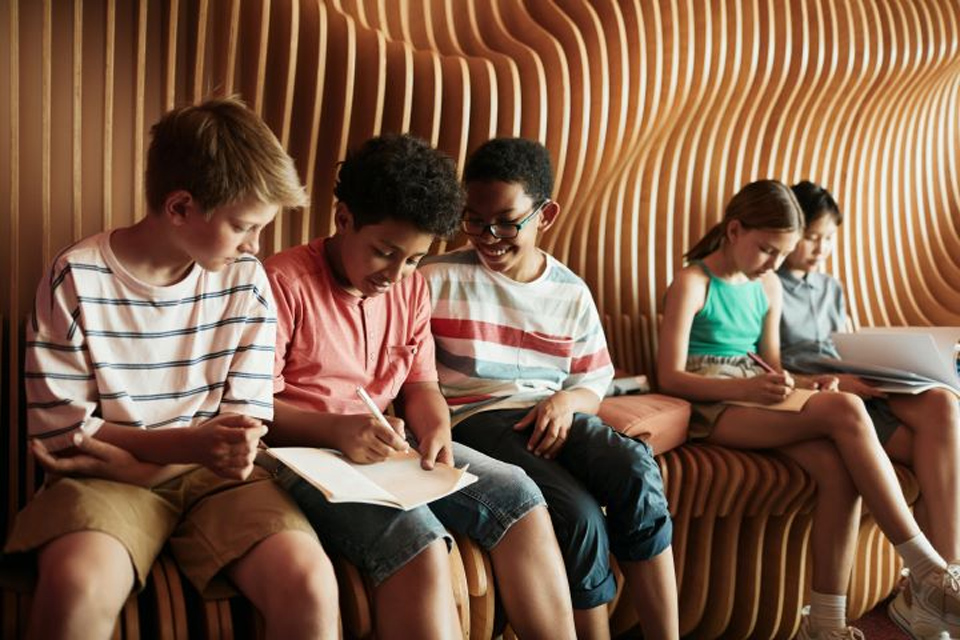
397 482
793 402
901 359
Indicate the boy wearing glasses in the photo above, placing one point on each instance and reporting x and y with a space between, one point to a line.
523 364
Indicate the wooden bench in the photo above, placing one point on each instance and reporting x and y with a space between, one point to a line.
741 541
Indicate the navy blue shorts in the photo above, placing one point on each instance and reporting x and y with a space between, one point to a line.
596 468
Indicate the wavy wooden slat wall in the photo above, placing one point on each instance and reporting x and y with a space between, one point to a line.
655 112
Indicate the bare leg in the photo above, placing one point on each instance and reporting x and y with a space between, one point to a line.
298 601
85 577
836 518
417 600
592 624
929 443
532 581
653 585
842 418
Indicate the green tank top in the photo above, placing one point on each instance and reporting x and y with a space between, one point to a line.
731 321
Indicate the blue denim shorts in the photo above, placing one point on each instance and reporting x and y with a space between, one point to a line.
381 540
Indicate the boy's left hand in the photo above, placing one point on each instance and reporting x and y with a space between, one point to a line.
96 459
436 448
551 420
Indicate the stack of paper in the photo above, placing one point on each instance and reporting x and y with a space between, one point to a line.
900 360
397 482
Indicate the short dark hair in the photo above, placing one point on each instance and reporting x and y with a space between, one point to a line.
513 160
402 178
816 202
220 152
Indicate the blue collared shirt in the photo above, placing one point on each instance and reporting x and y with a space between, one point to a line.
813 309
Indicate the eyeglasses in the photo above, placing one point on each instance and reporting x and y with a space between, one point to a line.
500 230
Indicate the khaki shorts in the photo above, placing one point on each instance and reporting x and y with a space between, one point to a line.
704 415
209 521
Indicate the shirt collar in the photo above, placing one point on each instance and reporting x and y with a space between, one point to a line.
792 282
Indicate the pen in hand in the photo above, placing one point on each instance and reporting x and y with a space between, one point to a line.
763 365
766 367
376 413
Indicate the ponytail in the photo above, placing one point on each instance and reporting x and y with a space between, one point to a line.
764 204
708 243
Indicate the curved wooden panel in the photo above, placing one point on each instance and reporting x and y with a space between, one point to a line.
654 111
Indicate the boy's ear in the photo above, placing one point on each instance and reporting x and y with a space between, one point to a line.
548 215
342 218
177 205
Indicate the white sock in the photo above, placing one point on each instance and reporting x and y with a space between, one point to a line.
919 556
828 611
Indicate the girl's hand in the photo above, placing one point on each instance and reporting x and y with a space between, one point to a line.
857 385
551 420
822 382
768 388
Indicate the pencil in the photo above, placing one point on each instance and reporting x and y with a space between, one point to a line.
763 365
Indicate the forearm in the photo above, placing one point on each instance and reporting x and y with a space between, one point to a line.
697 388
425 410
295 427
158 446
581 400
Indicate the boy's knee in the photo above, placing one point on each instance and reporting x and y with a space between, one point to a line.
579 523
83 584
308 586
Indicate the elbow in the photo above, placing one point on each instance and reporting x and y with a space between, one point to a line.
669 383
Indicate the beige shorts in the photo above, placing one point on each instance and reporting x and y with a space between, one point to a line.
209 521
704 415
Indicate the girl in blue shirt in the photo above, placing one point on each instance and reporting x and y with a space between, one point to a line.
921 431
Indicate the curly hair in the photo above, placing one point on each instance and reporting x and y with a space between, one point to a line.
513 160
402 178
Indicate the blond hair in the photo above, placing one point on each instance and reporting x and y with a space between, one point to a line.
221 152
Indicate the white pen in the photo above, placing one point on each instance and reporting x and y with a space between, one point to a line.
375 410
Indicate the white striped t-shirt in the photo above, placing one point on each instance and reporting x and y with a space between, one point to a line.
104 346
503 344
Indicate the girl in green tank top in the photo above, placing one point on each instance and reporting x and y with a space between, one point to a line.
725 305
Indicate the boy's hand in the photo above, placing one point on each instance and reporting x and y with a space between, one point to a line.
227 444
768 388
98 459
362 438
859 386
436 448
551 420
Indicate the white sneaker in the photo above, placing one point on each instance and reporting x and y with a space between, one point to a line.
929 609
808 632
